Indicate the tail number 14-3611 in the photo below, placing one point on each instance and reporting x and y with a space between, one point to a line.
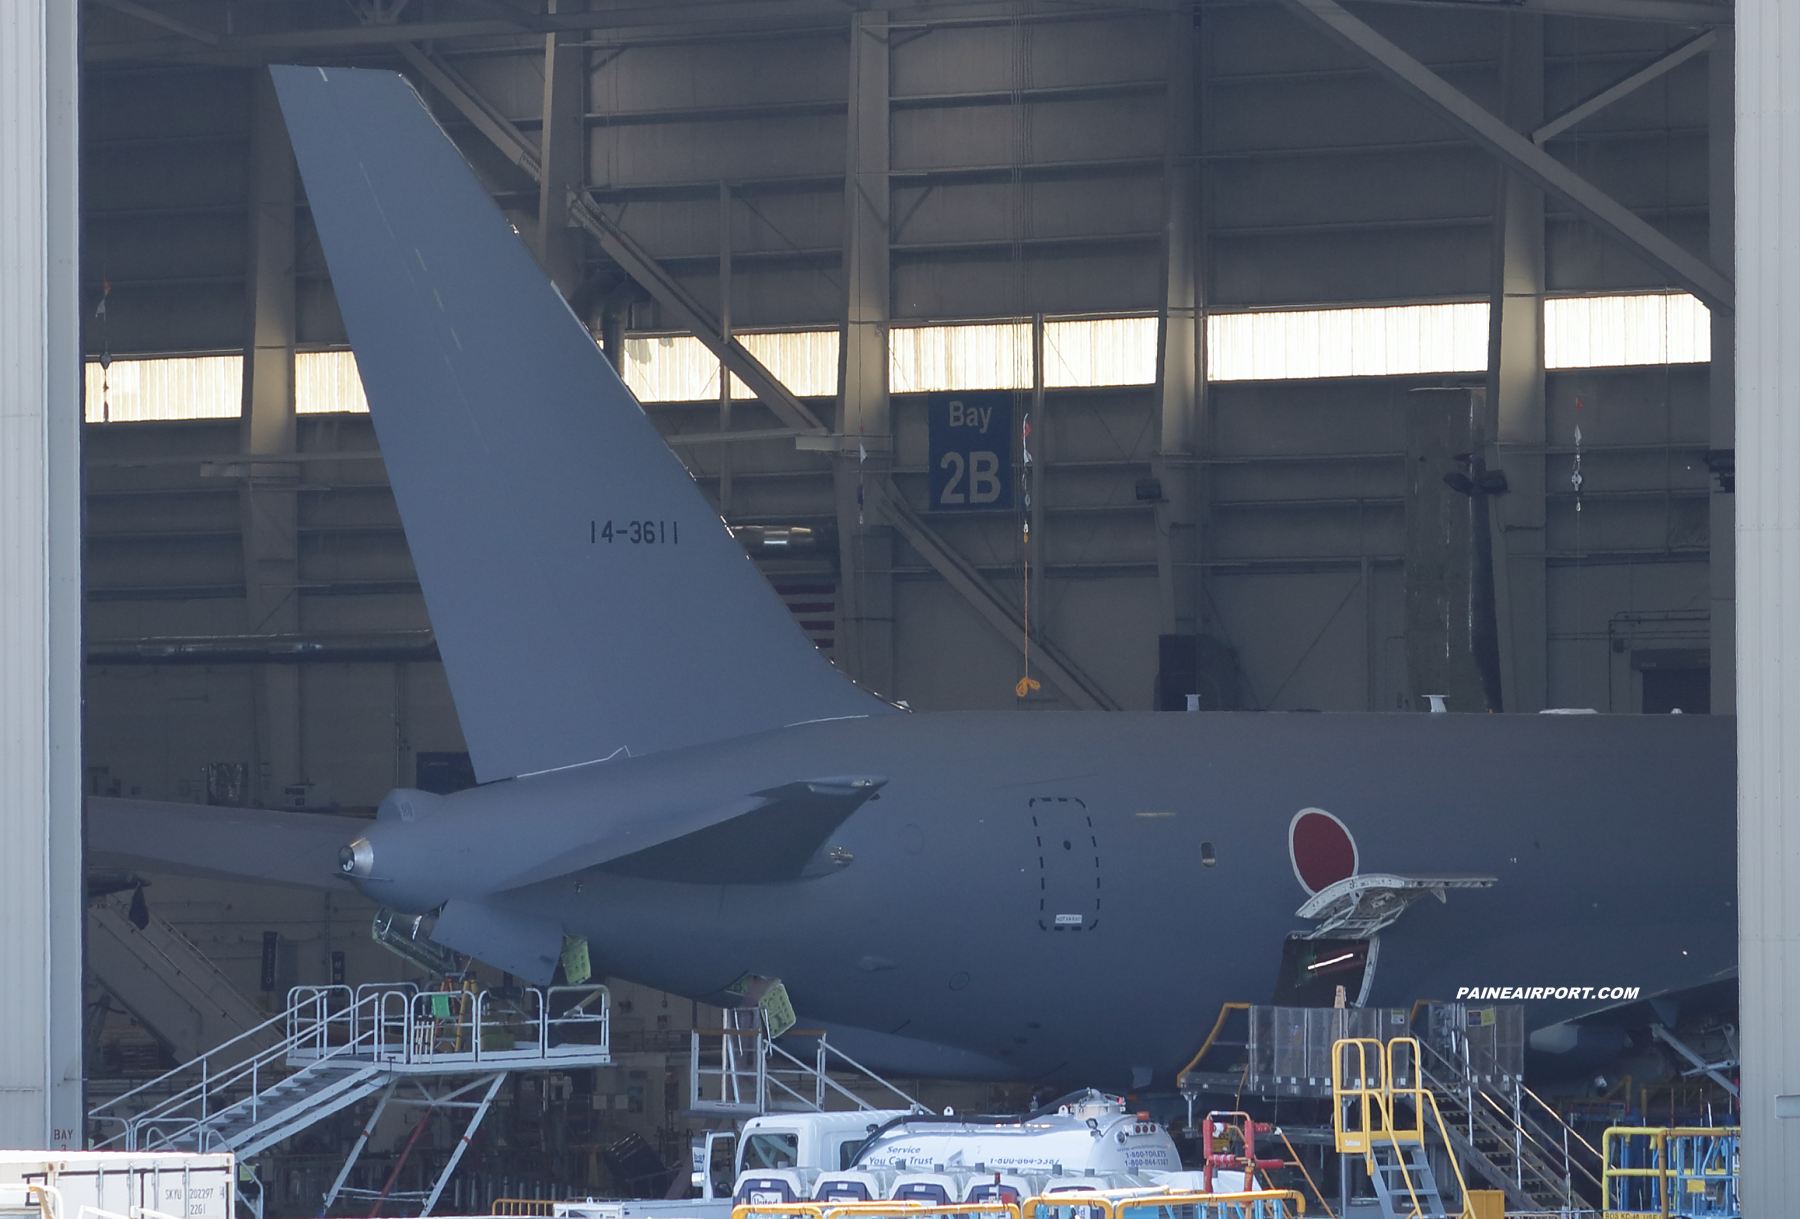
635 533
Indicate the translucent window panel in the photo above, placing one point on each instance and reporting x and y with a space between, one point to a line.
986 356
168 388
327 383
1100 351
670 368
1384 341
679 368
1613 331
806 361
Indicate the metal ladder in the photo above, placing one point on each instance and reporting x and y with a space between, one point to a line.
742 1071
1370 1082
1403 1180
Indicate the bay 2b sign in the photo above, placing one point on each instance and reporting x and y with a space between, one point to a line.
972 444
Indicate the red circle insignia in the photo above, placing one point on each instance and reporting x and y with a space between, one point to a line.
1321 849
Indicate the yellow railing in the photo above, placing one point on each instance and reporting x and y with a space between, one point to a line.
1668 1175
1218 1027
1363 1109
1267 1203
1095 1204
881 1208
523 1206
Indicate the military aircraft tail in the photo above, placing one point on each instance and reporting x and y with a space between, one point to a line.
586 597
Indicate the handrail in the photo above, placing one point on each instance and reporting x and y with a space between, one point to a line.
1379 1093
1561 1124
168 1117
1109 1203
876 1209
831 1049
1663 1171
820 1073
1523 1126
1527 1127
96 1114
1218 1027
331 1025
1112 1204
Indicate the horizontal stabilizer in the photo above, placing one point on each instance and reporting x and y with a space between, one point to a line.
775 841
586 597
759 837
896 1055
232 843
521 944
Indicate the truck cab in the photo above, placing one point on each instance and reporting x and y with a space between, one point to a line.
780 1155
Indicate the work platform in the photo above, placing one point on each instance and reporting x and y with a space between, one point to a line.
1468 1065
332 1047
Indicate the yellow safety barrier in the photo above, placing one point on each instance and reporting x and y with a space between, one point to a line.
1097 1204
1369 1100
523 1206
1112 1204
1218 1027
1664 1172
880 1208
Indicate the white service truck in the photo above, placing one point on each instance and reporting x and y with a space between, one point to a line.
1085 1141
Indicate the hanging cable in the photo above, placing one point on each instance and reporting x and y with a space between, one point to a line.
1026 683
1301 1165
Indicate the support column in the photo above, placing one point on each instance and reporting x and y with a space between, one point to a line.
1768 630
725 454
1722 384
270 498
1181 362
1516 386
864 449
41 1099
563 147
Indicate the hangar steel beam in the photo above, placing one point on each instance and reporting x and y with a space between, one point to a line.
41 1103
633 259
1181 358
1624 87
1663 12
1516 520
1517 151
1722 386
150 16
649 21
1768 539
864 455
269 498
563 141
1082 690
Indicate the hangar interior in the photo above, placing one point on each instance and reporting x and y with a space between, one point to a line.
1254 301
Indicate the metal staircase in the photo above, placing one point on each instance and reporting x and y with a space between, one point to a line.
1382 1111
1513 1140
333 1047
740 1070
1404 1182
165 981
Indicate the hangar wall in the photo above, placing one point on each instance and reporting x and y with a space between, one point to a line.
1027 167
40 582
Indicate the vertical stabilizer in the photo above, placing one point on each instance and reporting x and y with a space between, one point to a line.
586 597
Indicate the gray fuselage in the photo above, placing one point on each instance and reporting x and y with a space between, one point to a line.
1612 839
